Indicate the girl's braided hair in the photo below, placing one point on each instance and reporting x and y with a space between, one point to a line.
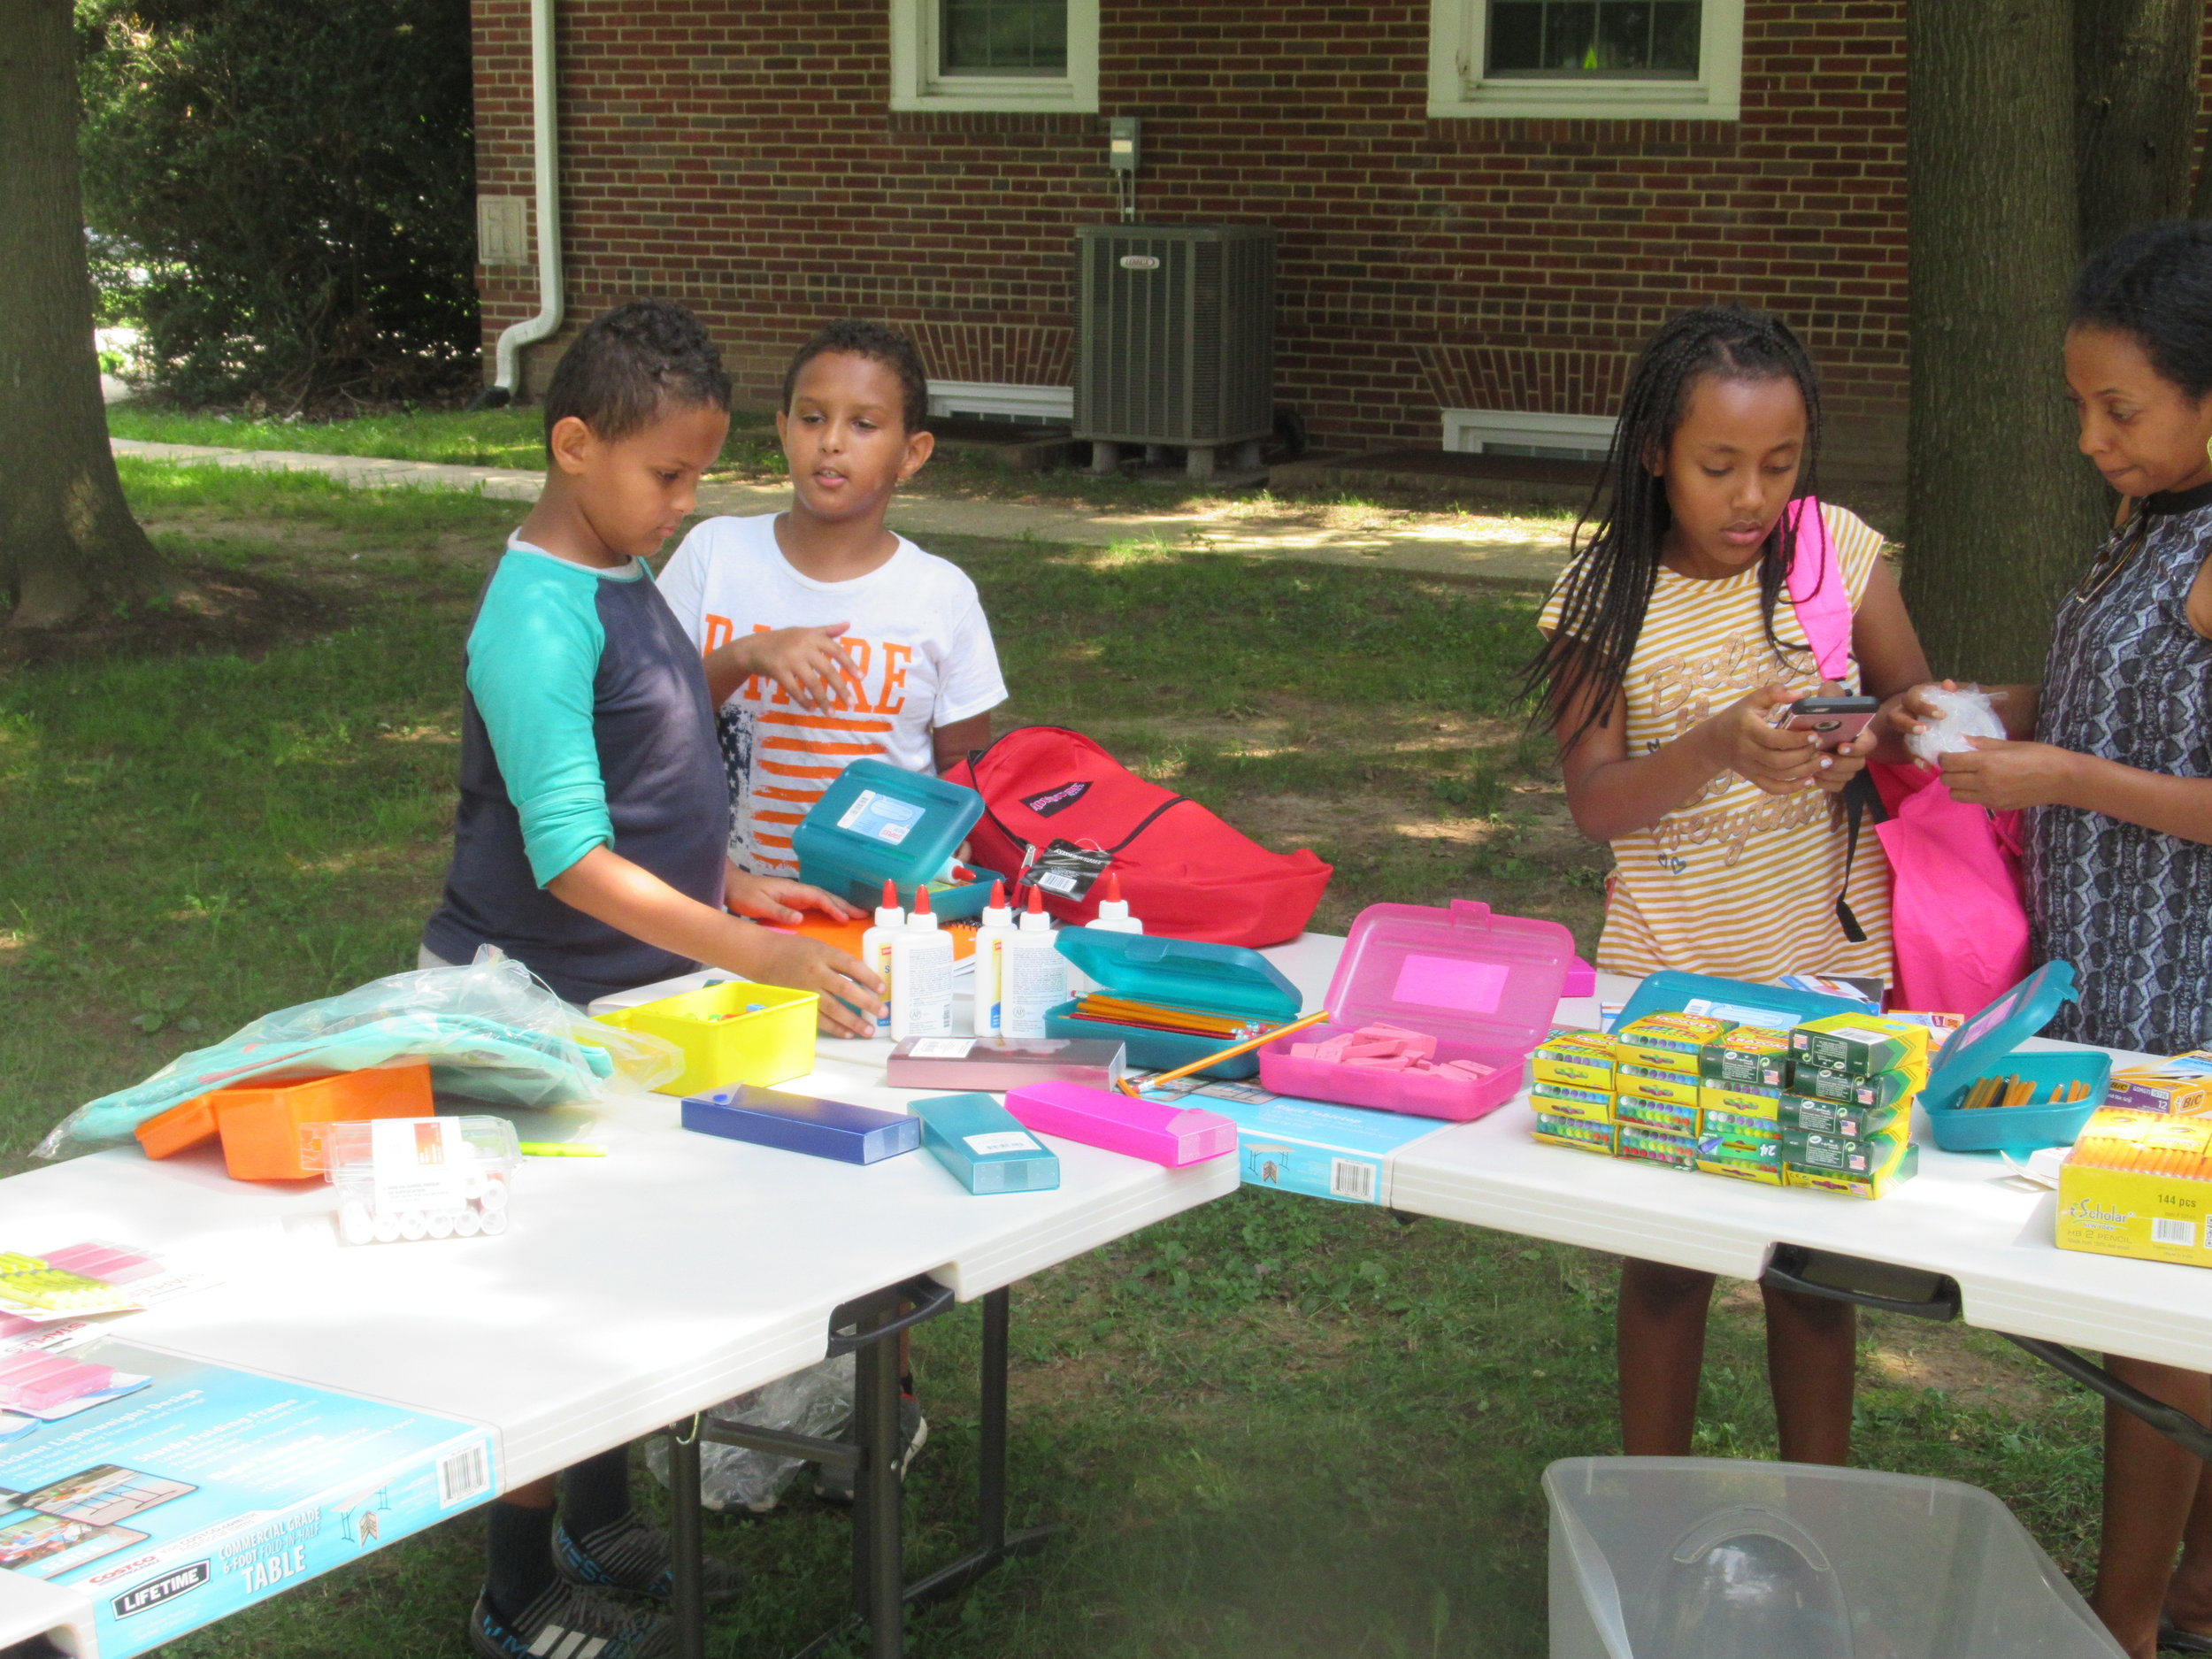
1606 590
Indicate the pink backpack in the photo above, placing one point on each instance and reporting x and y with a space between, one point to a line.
1957 916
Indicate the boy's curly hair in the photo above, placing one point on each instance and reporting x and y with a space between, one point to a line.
632 363
880 343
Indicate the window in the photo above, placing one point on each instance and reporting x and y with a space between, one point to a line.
994 55
1587 59
1516 431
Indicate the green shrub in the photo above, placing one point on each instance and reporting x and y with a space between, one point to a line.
291 187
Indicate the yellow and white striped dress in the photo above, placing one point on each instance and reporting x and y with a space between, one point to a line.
1736 882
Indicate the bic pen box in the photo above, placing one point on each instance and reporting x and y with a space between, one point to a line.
999 1064
1172 1135
797 1123
984 1145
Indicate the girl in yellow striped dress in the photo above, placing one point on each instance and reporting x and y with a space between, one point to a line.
1670 647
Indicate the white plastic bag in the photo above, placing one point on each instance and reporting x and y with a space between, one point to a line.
1968 712
491 1031
817 1401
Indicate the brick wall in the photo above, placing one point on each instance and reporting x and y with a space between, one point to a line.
740 155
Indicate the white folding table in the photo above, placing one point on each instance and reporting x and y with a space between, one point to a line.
634 1291
1966 1238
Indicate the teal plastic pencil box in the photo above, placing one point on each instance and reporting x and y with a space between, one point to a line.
985 1146
878 823
1225 981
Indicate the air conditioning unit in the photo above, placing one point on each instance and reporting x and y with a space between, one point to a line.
1175 339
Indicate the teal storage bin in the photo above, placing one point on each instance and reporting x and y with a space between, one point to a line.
1983 1047
1226 981
1776 1007
879 823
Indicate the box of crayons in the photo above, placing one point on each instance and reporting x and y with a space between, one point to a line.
1172 1001
2138 1184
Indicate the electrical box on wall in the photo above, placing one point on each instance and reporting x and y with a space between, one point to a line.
503 230
1121 144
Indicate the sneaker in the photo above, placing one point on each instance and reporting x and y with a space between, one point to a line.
836 1485
633 1556
574 1623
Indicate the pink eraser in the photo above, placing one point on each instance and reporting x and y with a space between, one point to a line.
1305 1051
1415 1041
1333 1050
1171 1135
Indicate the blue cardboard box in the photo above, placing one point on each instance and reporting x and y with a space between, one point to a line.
1306 1146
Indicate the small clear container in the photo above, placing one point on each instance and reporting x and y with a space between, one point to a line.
407 1178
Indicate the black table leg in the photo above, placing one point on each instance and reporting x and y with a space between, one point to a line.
687 1604
878 1541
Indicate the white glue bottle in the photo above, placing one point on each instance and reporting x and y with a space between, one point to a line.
875 948
921 976
1036 974
1113 917
990 963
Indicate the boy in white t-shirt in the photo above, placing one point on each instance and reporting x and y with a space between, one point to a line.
828 637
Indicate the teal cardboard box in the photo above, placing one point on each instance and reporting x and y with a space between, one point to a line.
985 1146
1308 1146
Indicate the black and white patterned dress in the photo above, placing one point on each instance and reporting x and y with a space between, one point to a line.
2128 679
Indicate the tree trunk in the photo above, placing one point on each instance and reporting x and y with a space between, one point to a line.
2135 77
2001 518
67 538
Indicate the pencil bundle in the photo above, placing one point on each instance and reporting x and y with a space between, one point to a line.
2019 1091
1122 1010
2148 1143
2138 1184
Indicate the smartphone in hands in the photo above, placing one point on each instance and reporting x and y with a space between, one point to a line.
1834 721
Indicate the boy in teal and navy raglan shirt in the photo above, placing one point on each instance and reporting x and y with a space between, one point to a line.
590 845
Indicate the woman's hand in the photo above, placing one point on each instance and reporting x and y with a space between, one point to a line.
778 898
1776 759
1848 761
2003 775
1905 715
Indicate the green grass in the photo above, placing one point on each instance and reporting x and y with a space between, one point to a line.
1273 1427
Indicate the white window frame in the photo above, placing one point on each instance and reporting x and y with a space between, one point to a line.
1471 431
994 397
1458 38
916 84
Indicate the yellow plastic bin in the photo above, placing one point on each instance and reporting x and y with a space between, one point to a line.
734 1032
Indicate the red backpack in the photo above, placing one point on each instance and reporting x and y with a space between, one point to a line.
1185 873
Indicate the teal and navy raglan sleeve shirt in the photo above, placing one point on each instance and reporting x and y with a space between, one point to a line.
584 723
533 665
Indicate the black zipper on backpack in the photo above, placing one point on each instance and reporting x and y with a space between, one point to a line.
1146 823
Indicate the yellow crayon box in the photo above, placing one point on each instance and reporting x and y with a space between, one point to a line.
1714 1122
1580 1059
1755 1161
1562 1099
1643 1082
1838 1088
1666 1117
2138 1184
1743 1099
1669 1042
1749 1054
1653 1145
1574 1131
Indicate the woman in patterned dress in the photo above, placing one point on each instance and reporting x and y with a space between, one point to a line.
2113 755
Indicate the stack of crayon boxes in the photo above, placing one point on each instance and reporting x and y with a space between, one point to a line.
1825 1104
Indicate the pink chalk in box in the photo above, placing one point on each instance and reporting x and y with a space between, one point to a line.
39 1381
1172 1135
1484 986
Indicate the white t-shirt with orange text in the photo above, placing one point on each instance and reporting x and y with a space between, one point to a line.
917 636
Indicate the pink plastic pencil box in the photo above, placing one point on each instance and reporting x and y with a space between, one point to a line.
1172 1135
1484 986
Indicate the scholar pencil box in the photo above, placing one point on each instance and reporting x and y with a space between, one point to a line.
998 1063
984 1145
799 1123
1171 1135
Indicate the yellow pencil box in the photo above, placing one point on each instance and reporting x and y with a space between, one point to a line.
2138 1184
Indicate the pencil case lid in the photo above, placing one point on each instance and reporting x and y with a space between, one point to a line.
1182 972
1459 973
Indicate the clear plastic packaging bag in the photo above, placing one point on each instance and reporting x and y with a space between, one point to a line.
492 1032
1968 712
817 1401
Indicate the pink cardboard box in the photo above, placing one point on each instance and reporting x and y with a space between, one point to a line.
1484 986
1172 1135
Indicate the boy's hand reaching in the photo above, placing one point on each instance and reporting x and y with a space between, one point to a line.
779 898
808 964
1779 761
810 664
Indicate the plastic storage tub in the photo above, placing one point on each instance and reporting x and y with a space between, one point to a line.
1698 1558
730 1032
1984 1046
878 823
1484 986
260 1123
416 1178
1226 981
1776 1007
